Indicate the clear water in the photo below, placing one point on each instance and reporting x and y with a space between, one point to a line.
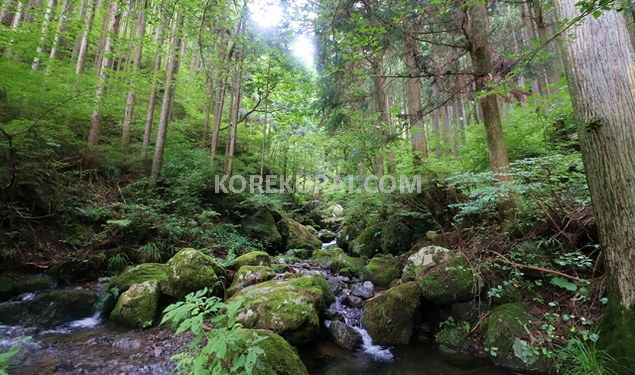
326 358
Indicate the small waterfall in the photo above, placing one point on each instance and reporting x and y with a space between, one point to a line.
378 352
329 244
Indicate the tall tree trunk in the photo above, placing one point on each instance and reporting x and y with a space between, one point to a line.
103 36
478 30
553 73
83 45
415 117
78 39
208 109
61 21
382 106
152 98
130 102
5 10
168 96
95 122
219 96
235 113
44 35
604 104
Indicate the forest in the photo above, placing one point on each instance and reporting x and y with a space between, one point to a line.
317 187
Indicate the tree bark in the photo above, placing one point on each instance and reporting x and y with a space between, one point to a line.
235 113
61 21
83 45
168 95
95 122
415 117
44 35
604 103
219 96
152 98
478 30
382 107
130 102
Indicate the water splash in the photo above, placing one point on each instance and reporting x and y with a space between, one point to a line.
377 352
328 244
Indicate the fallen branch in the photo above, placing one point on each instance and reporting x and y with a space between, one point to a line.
539 269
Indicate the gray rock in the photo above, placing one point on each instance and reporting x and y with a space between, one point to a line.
365 290
353 301
344 335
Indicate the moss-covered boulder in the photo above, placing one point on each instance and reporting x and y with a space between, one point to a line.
451 282
395 236
295 254
326 235
298 236
367 243
153 272
347 234
137 307
12 285
391 317
49 308
261 225
343 335
504 329
288 307
190 270
336 260
254 258
382 270
424 259
250 275
454 338
278 357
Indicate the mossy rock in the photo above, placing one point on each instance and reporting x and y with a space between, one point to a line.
347 234
447 283
298 236
289 307
153 272
424 259
395 236
254 258
12 285
261 225
301 254
367 243
454 338
278 357
505 330
49 308
190 270
336 260
382 270
250 275
390 318
137 307
326 235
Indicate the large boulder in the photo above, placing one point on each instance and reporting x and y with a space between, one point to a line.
278 357
49 308
137 307
288 307
298 236
450 282
332 217
190 270
454 338
424 259
390 318
153 272
505 336
326 235
254 258
336 260
343 335
12 285
261 225
367 243
395 236
250 275
382 270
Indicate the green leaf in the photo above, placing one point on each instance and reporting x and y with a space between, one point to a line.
563 283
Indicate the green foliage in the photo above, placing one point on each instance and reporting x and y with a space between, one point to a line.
582 357
6 356
223 348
